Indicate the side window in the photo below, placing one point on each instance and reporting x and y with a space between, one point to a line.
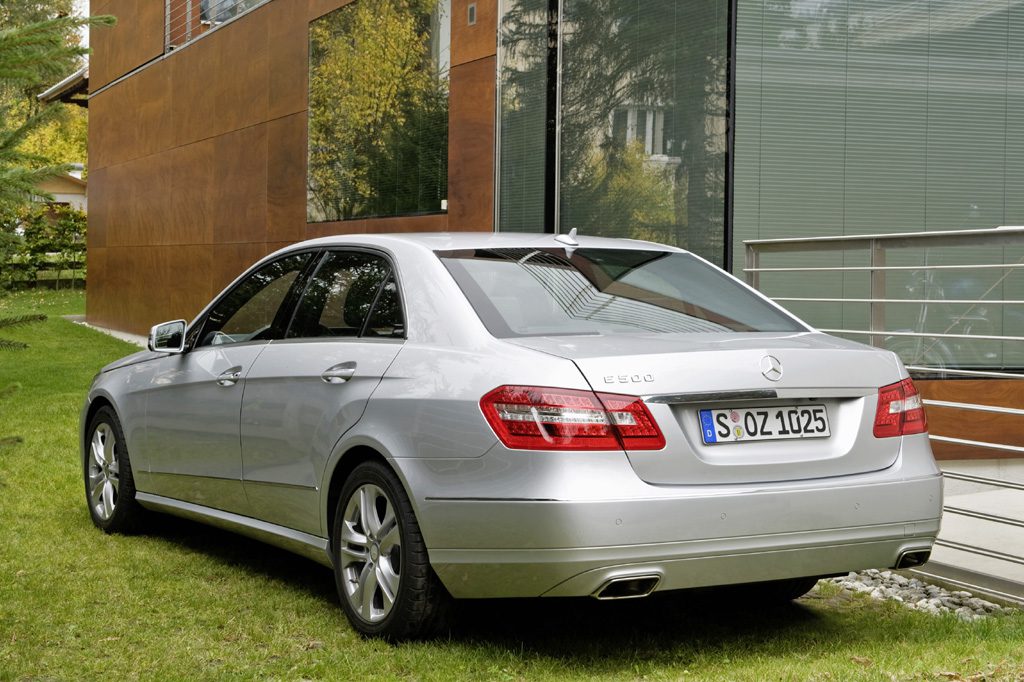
386 320
251 310
339 296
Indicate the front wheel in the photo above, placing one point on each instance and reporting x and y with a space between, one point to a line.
385 582
107 470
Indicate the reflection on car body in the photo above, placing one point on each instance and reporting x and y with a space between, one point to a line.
482 415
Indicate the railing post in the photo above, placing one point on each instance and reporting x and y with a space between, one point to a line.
877 296
753 261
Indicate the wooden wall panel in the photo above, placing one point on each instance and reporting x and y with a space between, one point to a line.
137 38
286 178
231 260
100 201
425 223
194 193
242 83
980 426
132 119
471 146
288 40
318 8
198 161
192 99
240 177
470 43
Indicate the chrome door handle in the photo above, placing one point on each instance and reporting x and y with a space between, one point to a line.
339 374
230 377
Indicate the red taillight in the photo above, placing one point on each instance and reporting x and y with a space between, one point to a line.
538 418
900 411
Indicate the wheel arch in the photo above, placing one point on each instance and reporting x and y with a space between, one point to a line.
95 405
343 468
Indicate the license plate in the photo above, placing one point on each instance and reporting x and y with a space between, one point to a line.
739 424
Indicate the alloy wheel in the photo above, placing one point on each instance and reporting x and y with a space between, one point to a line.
104 473
371 553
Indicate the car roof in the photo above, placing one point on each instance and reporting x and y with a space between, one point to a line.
448 241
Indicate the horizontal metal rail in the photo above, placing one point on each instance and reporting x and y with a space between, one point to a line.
1000 235
994 518
994 409
966 372
980 551
977 443
927 335
983 480
889 268
917 301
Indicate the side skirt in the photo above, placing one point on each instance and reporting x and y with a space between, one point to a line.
310 546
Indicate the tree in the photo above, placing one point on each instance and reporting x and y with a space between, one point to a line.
31 54
378 111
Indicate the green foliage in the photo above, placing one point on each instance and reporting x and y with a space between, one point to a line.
17 321
31 55
41 238
378 131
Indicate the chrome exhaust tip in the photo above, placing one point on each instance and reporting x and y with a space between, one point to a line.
628 587
912 558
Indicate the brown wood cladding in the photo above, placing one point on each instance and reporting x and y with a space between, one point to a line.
973 425
471 146
478 41
137 38
198 160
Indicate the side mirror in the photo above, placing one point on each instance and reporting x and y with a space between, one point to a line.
168 337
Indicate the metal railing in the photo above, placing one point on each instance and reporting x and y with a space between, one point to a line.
185 20
878 248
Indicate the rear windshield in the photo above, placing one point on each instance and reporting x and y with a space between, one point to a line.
556 292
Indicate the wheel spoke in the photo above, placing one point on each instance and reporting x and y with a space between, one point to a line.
97 447
388 582
350 555
367 510
390 537
96 495
108 500
367 588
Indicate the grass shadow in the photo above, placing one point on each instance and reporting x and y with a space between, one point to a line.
233 549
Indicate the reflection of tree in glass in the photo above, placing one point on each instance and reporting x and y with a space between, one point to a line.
653 72
378 125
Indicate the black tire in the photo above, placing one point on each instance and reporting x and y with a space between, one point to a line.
365 561
109 486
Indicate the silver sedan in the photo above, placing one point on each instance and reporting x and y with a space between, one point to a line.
498 415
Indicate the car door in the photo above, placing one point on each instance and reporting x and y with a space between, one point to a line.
305 391
192 409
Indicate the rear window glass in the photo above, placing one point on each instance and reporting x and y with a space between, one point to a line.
556 292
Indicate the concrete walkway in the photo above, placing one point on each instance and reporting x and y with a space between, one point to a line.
138 340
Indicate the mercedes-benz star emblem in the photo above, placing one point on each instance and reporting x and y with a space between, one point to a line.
771 368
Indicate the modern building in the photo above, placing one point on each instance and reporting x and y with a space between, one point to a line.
224 129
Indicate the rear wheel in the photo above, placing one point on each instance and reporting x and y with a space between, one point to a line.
384 579
107 470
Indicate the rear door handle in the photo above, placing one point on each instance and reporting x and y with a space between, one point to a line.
230 377
339 374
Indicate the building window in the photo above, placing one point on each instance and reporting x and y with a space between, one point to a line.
186 20
613 120
378 110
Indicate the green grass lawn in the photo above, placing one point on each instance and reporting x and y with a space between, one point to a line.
187 602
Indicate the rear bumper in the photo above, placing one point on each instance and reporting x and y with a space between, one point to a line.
689 536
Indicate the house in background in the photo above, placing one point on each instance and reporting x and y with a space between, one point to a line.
222 130
68 188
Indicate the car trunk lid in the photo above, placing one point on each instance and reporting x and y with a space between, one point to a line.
681 374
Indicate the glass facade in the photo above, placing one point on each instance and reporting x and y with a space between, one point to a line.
378 110
630 140
867 116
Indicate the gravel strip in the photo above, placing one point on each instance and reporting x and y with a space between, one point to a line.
918 595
